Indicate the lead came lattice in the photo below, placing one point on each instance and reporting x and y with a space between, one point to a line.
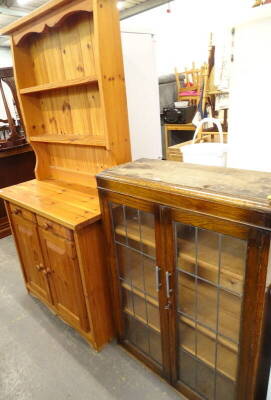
134 237
210 268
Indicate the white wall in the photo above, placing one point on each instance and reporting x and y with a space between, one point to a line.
182 36
5 57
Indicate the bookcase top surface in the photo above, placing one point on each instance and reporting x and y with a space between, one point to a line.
38 13
71 205
239 187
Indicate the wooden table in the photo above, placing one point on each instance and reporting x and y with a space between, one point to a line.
175 127
16 165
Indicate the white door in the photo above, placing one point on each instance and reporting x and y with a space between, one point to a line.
142 94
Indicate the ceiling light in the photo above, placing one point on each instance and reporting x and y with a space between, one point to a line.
23 2
120 4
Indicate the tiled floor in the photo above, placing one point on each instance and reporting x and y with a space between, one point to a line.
41 358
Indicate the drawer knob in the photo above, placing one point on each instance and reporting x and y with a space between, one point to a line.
46 226
17 211
46 271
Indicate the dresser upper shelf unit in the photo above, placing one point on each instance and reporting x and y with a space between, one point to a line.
73 96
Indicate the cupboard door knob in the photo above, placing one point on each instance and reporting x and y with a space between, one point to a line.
17 211
39 267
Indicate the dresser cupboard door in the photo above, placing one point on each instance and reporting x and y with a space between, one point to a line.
64 277
208 268
138 294
28 243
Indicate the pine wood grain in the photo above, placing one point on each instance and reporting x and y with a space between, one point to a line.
58 85
91 252
75 113
62 271
66 206
70 139
50 13
71 91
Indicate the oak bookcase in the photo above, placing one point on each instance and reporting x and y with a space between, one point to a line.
188 249
70 83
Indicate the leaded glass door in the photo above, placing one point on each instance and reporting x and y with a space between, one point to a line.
139 277
207 285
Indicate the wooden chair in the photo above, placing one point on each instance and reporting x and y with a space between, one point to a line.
11 135
195 80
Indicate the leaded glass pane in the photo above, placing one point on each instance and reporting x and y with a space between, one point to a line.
210 279
134 235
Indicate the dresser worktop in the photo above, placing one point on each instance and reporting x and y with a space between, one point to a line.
73 206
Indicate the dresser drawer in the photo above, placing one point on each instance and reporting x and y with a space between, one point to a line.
55 228
22 212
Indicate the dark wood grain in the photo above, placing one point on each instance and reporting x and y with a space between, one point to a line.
263 372
106 198
112 267
187 392
169 263
254 359
164 302
241 186
213 205
234 204
15 167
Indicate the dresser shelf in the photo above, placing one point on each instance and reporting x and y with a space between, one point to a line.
98 141
59 85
